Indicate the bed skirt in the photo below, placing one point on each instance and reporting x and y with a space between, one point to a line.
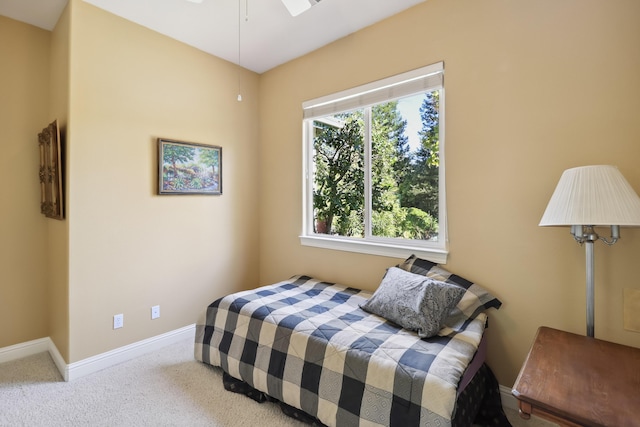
479 404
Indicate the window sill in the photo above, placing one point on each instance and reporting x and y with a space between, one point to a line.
395 251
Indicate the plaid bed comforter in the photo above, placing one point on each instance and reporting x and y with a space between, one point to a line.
308 344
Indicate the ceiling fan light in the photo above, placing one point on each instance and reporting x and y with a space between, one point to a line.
296 7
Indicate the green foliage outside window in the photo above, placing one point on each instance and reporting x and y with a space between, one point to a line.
404 183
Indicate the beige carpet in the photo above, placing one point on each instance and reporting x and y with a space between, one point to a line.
166 388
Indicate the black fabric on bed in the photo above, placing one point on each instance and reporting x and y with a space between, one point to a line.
479 404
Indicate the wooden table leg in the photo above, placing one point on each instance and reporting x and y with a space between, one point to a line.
525 410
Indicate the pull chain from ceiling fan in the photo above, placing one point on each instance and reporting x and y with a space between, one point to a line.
246 19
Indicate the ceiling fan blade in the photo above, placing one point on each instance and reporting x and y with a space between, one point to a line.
296 7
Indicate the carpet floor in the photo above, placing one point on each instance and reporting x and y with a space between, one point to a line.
165 388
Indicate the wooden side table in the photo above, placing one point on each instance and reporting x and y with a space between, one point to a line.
575 380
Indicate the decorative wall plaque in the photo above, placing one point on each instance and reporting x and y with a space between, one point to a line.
51 199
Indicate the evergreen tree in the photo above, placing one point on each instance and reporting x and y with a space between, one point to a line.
421 186
404 185
388 141
339 174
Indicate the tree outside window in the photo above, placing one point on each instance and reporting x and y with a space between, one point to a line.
374 167
401 199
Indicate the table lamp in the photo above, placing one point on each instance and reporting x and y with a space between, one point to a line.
590 196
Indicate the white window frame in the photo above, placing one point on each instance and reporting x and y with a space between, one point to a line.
406 84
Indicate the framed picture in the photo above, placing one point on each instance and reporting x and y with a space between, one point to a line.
51 197
189 168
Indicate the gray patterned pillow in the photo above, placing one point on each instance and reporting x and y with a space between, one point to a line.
475 300
414 302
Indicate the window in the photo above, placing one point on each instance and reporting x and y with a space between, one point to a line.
374 167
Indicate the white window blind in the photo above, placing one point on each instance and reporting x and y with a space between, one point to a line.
424 79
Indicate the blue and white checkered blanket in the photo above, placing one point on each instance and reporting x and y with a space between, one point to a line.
308 344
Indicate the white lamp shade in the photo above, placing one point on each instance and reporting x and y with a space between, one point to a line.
592 195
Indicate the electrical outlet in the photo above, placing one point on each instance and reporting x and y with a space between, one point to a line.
155 312
118 321
631 309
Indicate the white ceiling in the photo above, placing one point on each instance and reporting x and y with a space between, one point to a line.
269 37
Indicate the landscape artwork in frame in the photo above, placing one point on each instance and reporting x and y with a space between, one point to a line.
189 168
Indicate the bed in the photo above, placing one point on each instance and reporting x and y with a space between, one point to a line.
330 356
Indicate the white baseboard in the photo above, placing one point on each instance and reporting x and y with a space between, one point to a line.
99 362
57 358
19 351
105 360
508 399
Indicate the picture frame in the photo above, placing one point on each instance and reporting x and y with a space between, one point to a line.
51 188
189 168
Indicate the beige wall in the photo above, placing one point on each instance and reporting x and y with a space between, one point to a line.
130 249
24 85
532 88
115 87
58 231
